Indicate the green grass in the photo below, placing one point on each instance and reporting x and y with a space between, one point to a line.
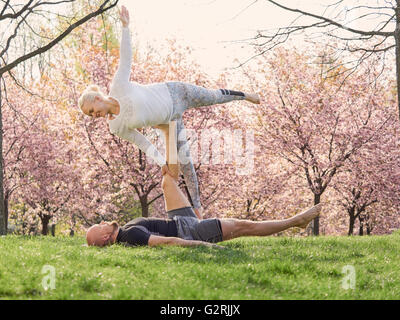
249 268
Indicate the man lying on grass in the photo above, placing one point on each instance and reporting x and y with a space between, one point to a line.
183 228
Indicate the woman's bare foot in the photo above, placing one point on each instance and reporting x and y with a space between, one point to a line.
252 97
303 219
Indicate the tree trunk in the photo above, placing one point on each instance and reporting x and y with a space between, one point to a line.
45 218
397 41
53 229
368 225
361 229
6 198
3 227
315 225
145 206
72 228
352 220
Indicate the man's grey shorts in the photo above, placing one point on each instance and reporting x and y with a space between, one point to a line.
191 228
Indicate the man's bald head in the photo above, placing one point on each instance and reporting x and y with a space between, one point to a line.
102 234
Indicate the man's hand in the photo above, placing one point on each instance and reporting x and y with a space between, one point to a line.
165 170
124 16
213 245
199 213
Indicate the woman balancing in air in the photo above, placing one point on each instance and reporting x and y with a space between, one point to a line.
131 105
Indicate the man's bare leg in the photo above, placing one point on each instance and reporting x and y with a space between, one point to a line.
234 228
173 195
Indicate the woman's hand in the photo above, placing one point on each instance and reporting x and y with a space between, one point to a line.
124 16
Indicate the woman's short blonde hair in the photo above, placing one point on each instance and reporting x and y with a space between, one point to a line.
89 94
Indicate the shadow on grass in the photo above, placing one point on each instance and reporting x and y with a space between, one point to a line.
199 255
214 256
236 253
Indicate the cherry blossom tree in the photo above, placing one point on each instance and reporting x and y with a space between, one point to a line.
371 180
38 159
312 124
19 22
358 33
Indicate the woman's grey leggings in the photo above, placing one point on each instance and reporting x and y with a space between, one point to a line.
185 96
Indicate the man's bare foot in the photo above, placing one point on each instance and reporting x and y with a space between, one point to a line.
252 97
303 219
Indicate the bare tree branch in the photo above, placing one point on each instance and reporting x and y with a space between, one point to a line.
52 43
15 15
354 45
334 23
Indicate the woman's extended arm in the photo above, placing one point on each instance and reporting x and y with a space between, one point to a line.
125 50
144 144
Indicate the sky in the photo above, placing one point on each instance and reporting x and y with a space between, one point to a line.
211 27
215 28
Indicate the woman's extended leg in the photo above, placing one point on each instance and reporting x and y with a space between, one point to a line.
186 95
234 228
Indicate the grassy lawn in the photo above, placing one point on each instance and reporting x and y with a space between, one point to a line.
249 268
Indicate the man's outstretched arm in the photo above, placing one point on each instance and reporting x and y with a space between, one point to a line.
173 241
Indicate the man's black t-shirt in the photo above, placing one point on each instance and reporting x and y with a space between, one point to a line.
138 231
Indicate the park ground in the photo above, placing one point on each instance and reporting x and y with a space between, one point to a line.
248 268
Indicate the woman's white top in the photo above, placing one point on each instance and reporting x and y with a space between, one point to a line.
140 105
